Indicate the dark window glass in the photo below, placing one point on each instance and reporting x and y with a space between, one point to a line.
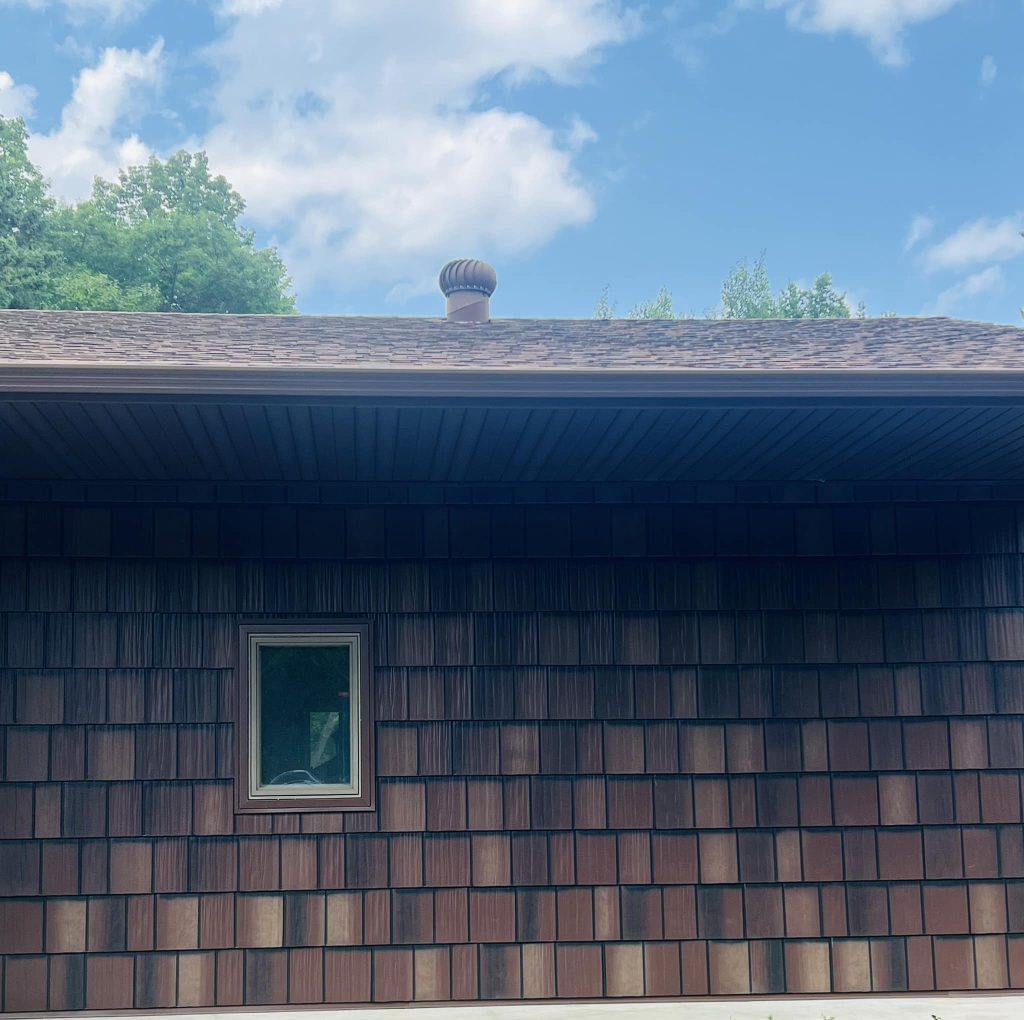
305 714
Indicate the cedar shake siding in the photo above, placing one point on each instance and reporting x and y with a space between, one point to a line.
631 741
697 658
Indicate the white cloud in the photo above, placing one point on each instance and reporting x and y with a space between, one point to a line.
89 140
880 22
375 141
921 226
989 70
689 40
78 10
77 50
982 282
982 240
580 133
15 100
247 6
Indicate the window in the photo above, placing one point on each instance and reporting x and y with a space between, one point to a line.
305 718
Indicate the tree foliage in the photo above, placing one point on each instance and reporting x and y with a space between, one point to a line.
162 237
24 216
747 294
661 307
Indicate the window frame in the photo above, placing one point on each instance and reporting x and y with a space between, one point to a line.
247 800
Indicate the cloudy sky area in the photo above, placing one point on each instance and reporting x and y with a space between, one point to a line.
573 143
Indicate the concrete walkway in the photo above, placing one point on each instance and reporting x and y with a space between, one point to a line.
940 1007
1001 1007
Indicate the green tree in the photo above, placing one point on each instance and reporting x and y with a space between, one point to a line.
660 308
604 309
162 237
747 294
181 184
76 287
167 233
25 256
820 301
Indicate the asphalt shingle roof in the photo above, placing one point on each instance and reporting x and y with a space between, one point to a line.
336 342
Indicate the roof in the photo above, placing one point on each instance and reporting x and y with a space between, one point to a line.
204 397
40 349
359 342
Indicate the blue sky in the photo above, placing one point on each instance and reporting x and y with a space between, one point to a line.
575 144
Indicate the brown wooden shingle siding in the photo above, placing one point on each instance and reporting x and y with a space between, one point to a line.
645 743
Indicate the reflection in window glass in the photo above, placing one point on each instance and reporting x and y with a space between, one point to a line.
305 714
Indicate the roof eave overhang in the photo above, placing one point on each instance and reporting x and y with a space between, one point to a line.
827 385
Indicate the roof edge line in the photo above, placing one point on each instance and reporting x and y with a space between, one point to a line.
117 378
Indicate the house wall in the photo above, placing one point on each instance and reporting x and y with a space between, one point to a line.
630 742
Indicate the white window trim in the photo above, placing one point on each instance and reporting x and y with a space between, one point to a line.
341 791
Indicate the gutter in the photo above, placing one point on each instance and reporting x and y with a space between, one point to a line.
117 379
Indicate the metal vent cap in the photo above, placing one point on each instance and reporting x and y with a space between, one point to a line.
467 274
